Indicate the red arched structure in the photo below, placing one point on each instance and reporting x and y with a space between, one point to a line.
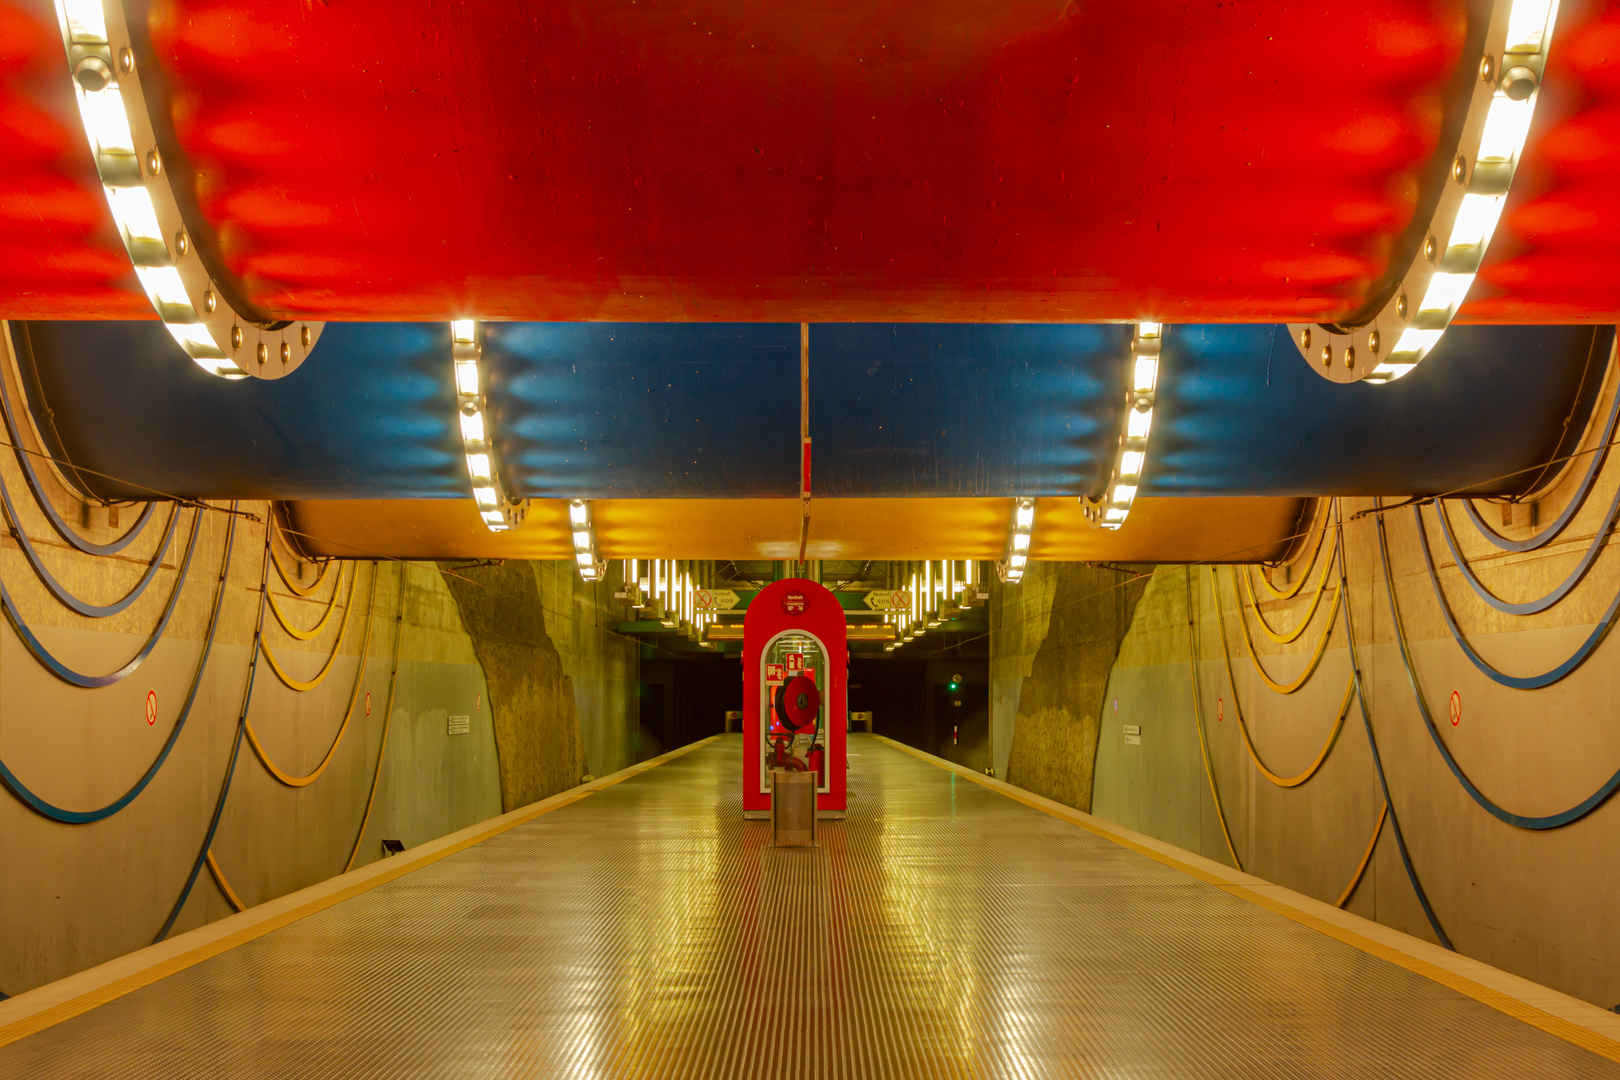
795 607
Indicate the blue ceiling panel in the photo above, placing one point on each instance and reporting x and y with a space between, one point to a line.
964 409
681 410
1240 413
645 410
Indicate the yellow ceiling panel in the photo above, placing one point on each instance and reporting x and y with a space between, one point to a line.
1159 530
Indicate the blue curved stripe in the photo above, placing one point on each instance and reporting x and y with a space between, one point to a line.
1558 524
87 817
25 461
1530 607
1522 821
1517 682
1372 743
57 589
236 753
90 682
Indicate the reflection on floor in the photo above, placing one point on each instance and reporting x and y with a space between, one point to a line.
942 930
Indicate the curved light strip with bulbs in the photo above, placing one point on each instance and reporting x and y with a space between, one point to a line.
1019 532
1409 324
195 309
591 566
1110 511
495 507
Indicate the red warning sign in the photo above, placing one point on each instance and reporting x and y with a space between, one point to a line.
793 603
151 707
775 673
795 662
368 702
1456 708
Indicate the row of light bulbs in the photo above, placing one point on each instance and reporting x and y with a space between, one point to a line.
672 584
931 585
499 511
1492 138
117 122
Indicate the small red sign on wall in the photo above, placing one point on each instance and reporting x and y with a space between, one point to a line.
793 603
795 662
775 673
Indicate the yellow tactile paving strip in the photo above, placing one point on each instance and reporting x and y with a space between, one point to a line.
942 930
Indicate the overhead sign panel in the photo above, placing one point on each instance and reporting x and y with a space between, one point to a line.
715 599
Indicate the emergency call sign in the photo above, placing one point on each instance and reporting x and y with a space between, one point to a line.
793 603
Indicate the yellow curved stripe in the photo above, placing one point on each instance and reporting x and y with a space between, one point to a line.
291 580
1198 716
348 712
1316 656
315 631
1247 578
388 718
1292 590
224 886
326 669
1327 747
1349 890
1243 724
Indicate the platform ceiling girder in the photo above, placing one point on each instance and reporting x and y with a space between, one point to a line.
936 161
694 411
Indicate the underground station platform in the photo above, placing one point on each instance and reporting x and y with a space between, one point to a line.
848 539
948 926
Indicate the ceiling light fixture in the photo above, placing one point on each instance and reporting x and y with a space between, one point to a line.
498 511
216 327
591 566
1111 509
1019 533
1406 326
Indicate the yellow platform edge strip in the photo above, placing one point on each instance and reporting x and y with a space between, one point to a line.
1269 897
157 962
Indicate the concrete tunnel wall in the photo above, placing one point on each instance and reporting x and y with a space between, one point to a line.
75 895
1536 903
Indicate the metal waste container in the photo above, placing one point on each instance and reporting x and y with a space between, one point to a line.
793 808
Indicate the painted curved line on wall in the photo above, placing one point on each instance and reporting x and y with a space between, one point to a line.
1556 527
76 678
85 817
1529 607
388 720
1372 744
263 755
1517 682
25 461
236 751
1522 821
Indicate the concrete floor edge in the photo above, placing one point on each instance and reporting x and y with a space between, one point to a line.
1571 1019
44 1006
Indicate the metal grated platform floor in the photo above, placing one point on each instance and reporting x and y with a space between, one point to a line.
943 930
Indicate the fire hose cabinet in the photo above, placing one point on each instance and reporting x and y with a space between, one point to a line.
795 694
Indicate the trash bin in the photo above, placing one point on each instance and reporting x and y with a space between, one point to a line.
793 808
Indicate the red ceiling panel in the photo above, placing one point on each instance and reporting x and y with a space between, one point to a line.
934 160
